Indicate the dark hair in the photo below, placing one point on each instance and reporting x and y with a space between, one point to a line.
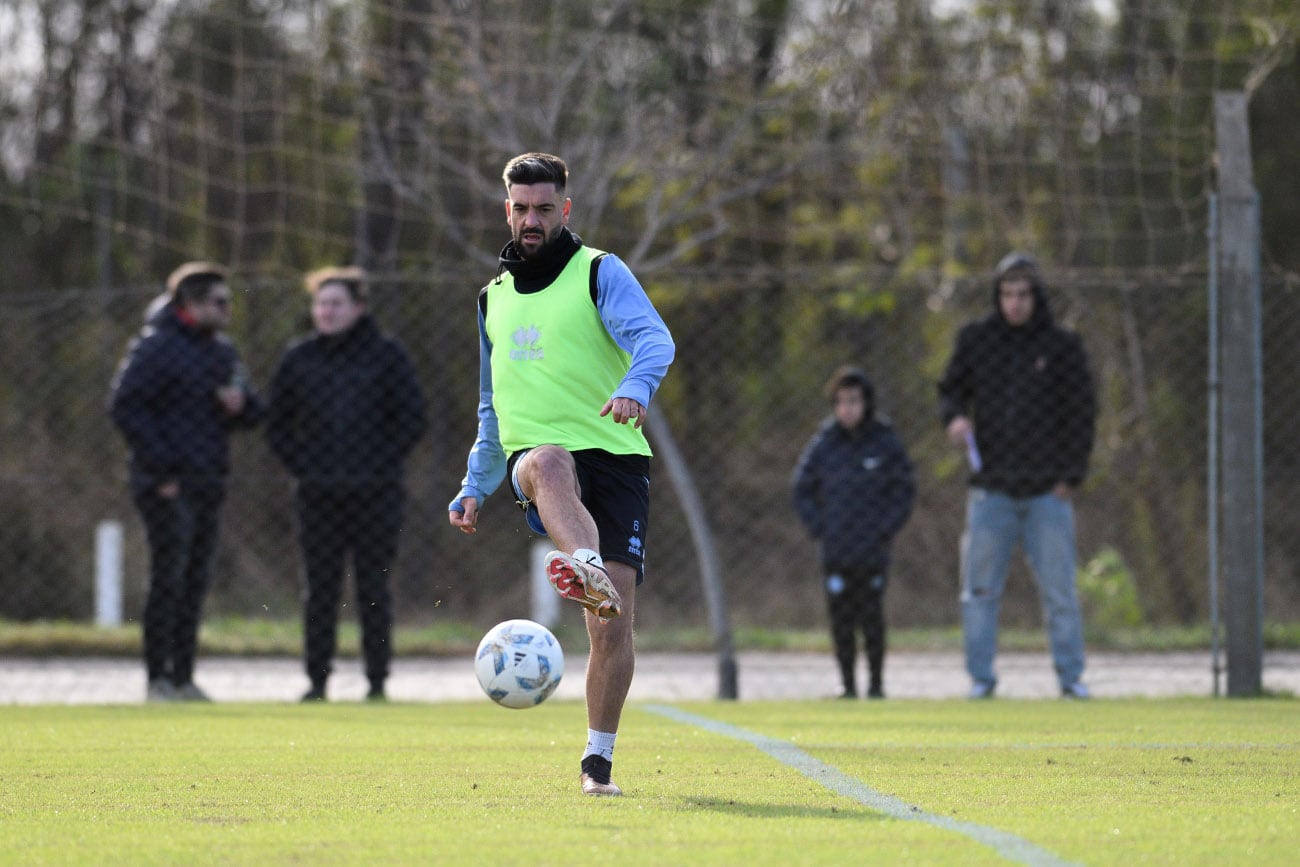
536 168
1016 265
194 280
354 280
850 376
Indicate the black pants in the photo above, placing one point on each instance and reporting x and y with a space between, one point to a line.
333 522
856 600
182 534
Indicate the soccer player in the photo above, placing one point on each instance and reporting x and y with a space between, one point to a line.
571 354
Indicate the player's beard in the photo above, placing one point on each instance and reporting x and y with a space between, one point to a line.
536 252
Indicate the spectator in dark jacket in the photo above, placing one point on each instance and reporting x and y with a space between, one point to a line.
345 411
853 490
176 397
1017 395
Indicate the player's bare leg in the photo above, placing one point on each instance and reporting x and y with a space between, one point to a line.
609 676
547 477
613 656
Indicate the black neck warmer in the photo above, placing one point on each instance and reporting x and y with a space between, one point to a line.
534 275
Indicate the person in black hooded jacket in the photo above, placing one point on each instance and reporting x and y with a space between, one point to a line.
345 410
1018 396
177 395
853 490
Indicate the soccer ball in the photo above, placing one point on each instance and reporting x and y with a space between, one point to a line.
519 663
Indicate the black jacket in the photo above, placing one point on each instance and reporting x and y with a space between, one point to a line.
1029 395
164 400
345 409
853 490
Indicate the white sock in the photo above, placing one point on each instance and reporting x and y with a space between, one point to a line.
600 744
587 555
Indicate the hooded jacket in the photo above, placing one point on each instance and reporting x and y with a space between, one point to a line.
853 490
164 400
345 409
1028 393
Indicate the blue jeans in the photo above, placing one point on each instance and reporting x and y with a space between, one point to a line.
1044 525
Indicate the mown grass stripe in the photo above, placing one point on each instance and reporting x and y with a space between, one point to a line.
1007 845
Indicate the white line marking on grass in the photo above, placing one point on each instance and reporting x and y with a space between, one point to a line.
1007 845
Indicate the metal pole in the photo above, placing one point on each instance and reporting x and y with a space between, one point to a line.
1212 444
706 552
1240 363
1259 438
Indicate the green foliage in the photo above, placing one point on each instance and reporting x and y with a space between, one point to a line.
45 584
1108 592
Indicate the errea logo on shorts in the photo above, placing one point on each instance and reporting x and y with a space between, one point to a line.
526 340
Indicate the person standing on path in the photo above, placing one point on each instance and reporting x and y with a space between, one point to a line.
853 491
177 395
1017 395
344 412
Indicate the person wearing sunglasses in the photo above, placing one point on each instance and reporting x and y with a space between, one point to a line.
177 395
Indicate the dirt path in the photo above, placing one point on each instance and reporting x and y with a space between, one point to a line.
660 677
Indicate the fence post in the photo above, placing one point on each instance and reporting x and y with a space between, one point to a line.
1241 368
1214 395
108 573
545 601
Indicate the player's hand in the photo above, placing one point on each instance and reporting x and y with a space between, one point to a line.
466 520
170 489
231 398
624 410
958 429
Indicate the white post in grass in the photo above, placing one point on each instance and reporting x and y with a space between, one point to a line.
545 601
108 573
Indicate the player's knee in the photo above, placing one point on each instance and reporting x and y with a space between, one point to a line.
546 465
610 637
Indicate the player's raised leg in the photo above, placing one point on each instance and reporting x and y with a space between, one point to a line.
547 476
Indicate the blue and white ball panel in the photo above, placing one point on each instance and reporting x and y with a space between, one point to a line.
519 663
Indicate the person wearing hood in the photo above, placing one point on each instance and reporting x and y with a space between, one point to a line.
344 411
571 353
1017 395
854 490
177 395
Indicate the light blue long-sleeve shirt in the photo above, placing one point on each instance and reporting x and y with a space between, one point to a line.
635 326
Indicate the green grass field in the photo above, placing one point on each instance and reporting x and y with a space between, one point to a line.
1192 781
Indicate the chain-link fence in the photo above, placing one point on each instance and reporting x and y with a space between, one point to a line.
798 185
742 399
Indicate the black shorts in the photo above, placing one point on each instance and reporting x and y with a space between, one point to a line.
616 491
